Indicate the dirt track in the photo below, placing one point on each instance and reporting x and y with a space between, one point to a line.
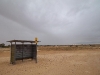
80 62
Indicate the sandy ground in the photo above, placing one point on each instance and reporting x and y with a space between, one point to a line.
80 62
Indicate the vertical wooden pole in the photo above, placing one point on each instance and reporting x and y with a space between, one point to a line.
11 54
14 55
36 40
36 53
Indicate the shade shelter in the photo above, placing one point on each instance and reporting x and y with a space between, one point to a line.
23 50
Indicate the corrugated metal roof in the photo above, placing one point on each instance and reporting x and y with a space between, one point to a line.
23 41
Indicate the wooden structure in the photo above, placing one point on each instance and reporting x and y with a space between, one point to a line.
23 51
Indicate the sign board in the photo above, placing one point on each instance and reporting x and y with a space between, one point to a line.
36 40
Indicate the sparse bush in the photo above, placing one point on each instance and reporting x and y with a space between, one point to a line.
2 45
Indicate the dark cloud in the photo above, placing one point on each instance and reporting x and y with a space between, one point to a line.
53 21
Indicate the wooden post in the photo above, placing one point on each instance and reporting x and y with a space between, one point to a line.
36 40
11 54
36 52
14 54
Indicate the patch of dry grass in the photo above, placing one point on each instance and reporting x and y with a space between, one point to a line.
66 47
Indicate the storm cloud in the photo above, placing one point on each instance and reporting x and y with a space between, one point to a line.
54 22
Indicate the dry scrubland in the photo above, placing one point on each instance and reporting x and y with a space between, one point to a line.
68 47
55 60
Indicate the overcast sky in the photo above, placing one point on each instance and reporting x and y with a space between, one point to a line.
54 22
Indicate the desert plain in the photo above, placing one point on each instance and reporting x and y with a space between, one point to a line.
54 60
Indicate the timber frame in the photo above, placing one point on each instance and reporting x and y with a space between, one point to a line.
23 51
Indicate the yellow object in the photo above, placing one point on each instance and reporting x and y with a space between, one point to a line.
36 40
